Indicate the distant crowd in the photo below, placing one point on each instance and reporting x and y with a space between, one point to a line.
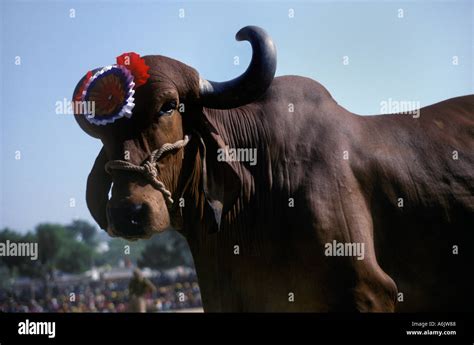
180 291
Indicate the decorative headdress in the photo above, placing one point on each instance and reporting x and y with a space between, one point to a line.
112 88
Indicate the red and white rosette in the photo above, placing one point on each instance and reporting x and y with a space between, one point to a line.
111 90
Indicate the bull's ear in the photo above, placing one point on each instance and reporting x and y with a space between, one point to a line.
98 187
220 180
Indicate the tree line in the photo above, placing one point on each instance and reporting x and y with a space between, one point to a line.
78 246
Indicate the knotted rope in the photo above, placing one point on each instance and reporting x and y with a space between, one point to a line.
148 169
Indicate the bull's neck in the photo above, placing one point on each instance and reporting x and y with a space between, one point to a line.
239 129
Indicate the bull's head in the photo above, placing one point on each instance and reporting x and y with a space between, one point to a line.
165 104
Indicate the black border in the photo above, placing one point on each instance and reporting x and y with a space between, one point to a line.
245 328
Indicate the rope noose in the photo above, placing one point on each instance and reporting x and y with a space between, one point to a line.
148 168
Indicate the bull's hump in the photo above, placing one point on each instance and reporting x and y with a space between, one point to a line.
296 89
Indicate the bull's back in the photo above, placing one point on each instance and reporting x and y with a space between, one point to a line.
417 176
422 202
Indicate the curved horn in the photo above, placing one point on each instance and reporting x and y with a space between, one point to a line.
252 83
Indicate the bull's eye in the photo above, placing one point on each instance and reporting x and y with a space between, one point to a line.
167 108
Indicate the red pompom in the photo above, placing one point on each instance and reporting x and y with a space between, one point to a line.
136 65
78 95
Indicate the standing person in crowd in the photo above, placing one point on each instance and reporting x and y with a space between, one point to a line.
139 286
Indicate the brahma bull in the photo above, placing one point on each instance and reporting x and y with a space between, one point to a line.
340 212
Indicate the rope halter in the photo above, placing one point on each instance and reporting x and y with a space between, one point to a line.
149 167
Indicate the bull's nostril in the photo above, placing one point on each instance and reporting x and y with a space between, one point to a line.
136 214
135 208
128 219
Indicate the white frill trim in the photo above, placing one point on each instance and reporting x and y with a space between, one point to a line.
126 110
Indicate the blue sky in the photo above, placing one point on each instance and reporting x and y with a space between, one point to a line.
407 58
